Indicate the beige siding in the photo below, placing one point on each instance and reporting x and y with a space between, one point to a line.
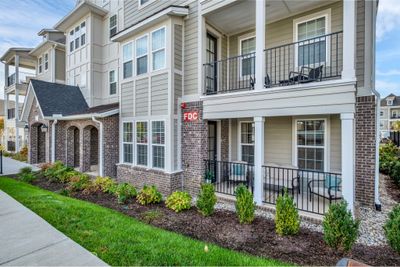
178 46
177 90
127 99
191 52
360 42
142 97
159 94
60 65
278 141
234 143
335 147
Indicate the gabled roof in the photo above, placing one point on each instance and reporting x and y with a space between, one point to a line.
396 100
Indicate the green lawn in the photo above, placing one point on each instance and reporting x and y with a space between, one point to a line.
118 239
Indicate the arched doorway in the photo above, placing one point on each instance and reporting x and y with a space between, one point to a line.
73 147
38 143
90 149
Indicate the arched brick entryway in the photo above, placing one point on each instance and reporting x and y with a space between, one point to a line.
73 146
37 143
90 149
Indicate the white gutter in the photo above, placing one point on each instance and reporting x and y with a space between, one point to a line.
101 153
84 116
53 141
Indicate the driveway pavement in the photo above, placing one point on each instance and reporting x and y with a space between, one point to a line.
11 166
27 239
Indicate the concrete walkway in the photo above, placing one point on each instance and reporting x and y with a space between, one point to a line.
27 239
11 166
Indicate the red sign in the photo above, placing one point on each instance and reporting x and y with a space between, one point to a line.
191 116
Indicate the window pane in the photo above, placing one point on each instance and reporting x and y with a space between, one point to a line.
158 39
141 132
310 133
248 153
83 39
141 46
158 132
248 46
142 155
247 133
113 88
112 76
159 60
128 153
158 157
127 136
248 66
127 52
141 65
128 69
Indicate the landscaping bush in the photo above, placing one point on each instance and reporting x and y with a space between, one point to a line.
340 229
105 184
245 206
44 166
179 201
392 228
206 200
388 155
149 195
287 220
124 192
49 171
78 182
26 175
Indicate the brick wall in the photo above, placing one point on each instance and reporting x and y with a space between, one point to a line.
111 144
365 150
38 141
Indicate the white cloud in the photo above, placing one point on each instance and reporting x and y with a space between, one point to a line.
388 17
386 87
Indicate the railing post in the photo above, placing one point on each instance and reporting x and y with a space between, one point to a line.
258 159
260 44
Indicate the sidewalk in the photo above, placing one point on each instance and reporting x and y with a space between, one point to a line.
11 166
27 239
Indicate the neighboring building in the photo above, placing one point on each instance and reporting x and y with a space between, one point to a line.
389 113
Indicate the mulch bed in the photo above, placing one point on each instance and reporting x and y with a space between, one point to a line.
223 229
392 188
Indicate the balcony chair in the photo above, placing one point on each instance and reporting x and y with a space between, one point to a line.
306 75
328 188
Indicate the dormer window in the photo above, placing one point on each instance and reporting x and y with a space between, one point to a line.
389 102
46 61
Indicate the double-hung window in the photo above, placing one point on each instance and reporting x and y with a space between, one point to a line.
158 49
40 64
310 144
113 25
141 55
71 43
127 60
113 82
77 36
127 142
247 142
46 61
247 50
158 144
141 143
83 33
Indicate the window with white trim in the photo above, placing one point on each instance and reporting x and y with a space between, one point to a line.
127 142
158 49
113 82
143 2
40 64
83 33
141 143
141 55
247 142
247 50
113 25
310 136
77 36
389 102
46 61
127 59
71 43
394 114
158 144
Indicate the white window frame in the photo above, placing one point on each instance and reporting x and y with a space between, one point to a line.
394 114
77 36
82 33
131 43
325 146
147 144
147 54
163 48
240 138
40 65
71 40
111 82
160 145
324 13
140 5
241 39
389 102
46 61
115 26
129 143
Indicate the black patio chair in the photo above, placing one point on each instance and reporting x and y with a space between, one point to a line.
306 75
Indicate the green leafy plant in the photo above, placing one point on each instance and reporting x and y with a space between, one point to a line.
124 192
388 156
149 195
64 192
179 201
27 175
151 215
340 228
206 199
245 206
287 220
392 228
101 184
78 182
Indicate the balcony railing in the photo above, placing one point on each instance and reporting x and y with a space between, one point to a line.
11 79
305 61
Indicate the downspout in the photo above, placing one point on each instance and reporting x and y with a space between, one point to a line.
101 155
53 141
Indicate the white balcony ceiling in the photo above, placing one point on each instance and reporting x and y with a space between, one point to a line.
240 15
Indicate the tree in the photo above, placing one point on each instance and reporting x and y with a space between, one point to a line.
396 126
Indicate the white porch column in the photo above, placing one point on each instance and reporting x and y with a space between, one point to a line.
5 134
348 144
349 39
16 103
52 63
260 44
258 158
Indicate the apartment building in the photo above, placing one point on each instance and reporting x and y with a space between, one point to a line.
389 114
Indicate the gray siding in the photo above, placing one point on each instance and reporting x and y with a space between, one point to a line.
178 46
191 52
159 94
336 144
177 90
60 65
142 97
278 140
360 42
127 99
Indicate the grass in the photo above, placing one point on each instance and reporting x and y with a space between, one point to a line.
118 239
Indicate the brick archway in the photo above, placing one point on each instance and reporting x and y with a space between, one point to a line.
37 144
90 154
73 146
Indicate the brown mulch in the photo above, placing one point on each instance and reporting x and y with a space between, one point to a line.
223 228
392 188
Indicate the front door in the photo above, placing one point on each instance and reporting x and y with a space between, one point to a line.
211 63
212 150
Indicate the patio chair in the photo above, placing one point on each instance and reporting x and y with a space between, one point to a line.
328 188
306 75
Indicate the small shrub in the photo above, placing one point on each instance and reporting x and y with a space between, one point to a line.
245 206
149 195
78 182
395 171
50 170
206 200
105 184
151 215
340 229
287 220
392 228
179 201
124 192
26 175
64 192
44 166
388 155
65 174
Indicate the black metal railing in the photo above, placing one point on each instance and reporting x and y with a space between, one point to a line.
305 61
11 79
1 161
312 191
395 137
226 176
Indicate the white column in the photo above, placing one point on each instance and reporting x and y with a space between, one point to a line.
16 103
349 39
6 99
260 44
52 63
348 144
258 158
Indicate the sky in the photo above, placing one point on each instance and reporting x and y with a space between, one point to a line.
21 20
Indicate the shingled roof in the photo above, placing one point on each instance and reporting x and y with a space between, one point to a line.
396 100
55 98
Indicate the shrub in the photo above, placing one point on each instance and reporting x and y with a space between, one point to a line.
124 192
245 206
340 229
287 220
392 228
44 166
179 201
206 199
149 195
78 182
26 175
151 215
105 184
395 171
64 192
388 155
50 170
